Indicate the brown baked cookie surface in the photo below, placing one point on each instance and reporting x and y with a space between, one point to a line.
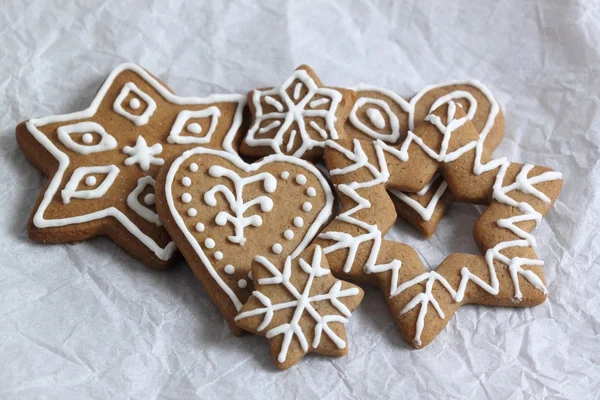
102 161
299 306
381 114
297 117
508 273
222 212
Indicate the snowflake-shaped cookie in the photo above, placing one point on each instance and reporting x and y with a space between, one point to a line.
102 161
300 308
297 117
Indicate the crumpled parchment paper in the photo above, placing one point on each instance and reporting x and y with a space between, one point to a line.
88 321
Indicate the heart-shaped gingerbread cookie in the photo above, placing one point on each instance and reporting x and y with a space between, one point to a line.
222 212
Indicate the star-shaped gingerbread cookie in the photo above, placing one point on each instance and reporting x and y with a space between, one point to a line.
297 117
102 161
300 308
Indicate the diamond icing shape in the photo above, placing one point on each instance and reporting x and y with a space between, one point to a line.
138 120
70 191
107 141
182 121
133 201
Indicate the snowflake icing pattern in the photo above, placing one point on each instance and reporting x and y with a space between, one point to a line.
308 104
304 304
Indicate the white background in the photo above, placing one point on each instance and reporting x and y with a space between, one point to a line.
88 321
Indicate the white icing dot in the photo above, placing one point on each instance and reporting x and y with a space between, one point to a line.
186 197
300 179
229 269
194 167
277 248
192 212
90 180
311 192
299 222
200 227
87 138
288 234
134 103
218 255
209 243
285 175
242 283
186 181
250 275
376 118
307 206
149 199
194 128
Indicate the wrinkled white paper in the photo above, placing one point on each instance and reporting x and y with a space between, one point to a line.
88 321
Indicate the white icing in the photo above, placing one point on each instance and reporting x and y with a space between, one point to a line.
209 243
277 248
293 111
272 102
285 175
90 180
194 128
138 120
311 192
291 141
318 102
376 118
162 253
300 179
250 275
192 212
269 127
186 181
143 154
182 119
307 206
107 141
87 138
298 222
194 167
149 199
303 304
186 197
321 218
218 255
200 227
229 269
288 234
70 191
297 90
236 201
426 213
242 283
134 103
134 204
393 134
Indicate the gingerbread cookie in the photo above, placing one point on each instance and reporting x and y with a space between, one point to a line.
222 212
517 195
380 114
297 117
299 306
102 161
